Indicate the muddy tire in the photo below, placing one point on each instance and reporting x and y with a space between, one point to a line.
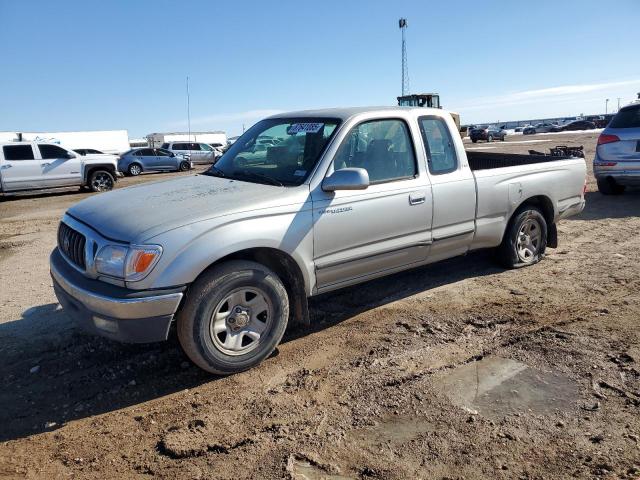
490 138
101 181
233 317
525 240
608 186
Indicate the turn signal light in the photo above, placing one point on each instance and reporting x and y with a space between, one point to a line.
604 138
142 260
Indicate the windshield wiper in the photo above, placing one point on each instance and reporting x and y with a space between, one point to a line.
260 176
215 172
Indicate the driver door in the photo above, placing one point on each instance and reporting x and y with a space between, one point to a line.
60 167
360 234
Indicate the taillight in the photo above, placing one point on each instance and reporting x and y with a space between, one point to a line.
604 138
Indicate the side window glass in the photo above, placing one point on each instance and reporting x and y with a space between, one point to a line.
194 146
52 152
205 147
382 147
146 152
18 152
441 154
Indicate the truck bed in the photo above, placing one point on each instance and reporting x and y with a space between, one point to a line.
488 160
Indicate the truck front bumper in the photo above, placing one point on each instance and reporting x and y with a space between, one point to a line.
122 314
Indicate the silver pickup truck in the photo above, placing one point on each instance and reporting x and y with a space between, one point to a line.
340 196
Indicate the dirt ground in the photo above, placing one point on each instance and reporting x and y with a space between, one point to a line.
454 371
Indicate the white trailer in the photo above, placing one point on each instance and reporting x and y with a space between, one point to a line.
107 141
157 139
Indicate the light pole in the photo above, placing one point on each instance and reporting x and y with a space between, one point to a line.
188 110
618 104
606 106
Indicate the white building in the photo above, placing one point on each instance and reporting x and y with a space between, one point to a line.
107 141
157 139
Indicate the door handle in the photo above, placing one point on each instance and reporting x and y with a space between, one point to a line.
417 199
45 164
4 167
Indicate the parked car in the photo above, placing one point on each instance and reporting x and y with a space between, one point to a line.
139 160
541 128
194 151
487 133
578 125
36 165
88 151
232 255
617 161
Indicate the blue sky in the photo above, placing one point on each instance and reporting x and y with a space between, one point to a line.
79 65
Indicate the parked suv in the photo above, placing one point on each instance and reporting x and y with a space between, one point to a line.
617 161
139 160
195 151
36 165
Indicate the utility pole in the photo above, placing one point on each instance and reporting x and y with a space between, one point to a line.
188 110
618 104
606 106
402 23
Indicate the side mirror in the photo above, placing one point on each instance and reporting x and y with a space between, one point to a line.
346 179
70 155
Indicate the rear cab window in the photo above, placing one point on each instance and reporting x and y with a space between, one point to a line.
441 153
18 152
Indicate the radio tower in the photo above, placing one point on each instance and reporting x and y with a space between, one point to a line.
402 23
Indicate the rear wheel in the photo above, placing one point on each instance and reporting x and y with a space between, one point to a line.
233 317
608 186
101 181
525 240
134 169
474 140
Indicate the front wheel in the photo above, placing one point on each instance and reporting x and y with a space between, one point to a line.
525 239
233 317
101 181
134 169
490 138
184 166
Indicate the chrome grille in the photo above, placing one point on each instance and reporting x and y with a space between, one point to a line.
71 243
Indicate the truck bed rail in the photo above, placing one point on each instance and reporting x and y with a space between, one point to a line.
487 160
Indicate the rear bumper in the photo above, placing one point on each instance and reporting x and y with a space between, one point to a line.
114 312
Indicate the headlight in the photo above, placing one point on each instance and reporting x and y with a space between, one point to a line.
129 263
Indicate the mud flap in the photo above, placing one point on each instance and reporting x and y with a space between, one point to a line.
552 236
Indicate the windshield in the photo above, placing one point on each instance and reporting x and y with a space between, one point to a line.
279 151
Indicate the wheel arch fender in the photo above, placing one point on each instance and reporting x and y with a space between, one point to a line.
545 205
90 168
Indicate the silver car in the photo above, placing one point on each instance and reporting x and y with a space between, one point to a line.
139 160
197 152
617 161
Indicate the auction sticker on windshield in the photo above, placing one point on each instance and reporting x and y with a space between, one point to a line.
295 128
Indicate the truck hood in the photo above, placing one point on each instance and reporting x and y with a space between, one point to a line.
140 212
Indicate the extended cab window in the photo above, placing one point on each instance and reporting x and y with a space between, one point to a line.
18 152
382 147
52 152
441 154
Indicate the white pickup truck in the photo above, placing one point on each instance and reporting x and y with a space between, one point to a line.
35 165
341 197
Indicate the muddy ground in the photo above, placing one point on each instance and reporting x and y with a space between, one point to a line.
457 370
